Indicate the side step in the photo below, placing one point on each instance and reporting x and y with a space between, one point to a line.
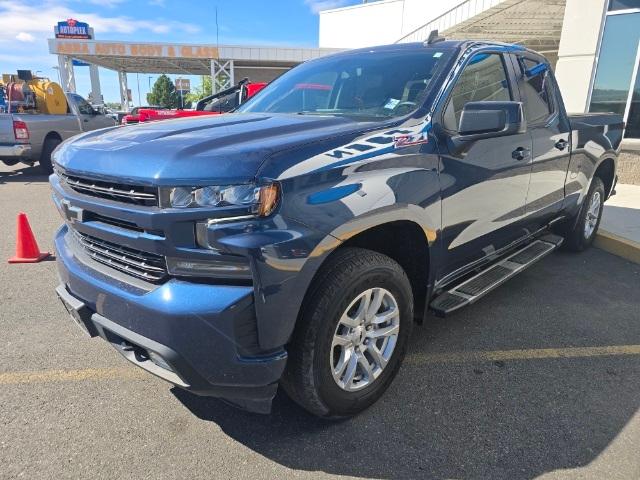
479 285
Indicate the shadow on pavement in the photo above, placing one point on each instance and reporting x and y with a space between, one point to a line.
478 420
486 421
24 174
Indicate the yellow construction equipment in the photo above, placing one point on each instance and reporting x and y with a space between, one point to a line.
49 96
27 93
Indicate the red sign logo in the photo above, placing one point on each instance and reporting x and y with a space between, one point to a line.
71 22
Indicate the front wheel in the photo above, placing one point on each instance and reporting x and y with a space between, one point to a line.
581 236
352 334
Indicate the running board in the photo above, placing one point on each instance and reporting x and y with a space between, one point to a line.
479 285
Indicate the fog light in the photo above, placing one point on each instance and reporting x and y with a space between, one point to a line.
158 360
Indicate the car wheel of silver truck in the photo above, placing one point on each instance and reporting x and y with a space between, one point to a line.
352 335
585 226
48 147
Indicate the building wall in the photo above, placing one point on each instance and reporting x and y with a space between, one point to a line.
377 23
577 55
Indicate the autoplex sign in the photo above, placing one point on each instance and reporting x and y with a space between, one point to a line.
72 28
150 50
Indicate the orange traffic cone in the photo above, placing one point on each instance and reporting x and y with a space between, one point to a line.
27 250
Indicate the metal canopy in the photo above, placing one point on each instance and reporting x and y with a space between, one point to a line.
183 66
224 63
180 58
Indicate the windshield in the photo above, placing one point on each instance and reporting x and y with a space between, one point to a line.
368 84
223 104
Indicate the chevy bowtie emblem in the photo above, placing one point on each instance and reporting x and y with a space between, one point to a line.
72 214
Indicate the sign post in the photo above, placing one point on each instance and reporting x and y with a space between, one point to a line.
183 86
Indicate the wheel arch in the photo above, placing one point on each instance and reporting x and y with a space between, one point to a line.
412 239
606 171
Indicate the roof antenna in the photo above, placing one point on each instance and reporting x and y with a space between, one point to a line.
434 38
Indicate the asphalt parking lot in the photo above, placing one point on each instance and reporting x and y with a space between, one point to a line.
539 379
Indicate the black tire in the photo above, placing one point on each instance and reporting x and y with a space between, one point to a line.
577 239
308 378
48 147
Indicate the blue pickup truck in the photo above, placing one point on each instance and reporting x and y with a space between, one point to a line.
296 241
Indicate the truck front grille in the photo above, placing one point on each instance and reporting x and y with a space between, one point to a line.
148 266
136 194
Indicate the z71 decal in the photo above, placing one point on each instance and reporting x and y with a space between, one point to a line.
408 139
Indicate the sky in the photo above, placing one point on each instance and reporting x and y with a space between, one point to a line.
25 26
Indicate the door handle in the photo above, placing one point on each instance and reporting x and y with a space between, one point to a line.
561 144
520 153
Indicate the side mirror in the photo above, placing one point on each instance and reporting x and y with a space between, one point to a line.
491 119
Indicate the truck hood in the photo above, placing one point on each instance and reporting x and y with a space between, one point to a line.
194 151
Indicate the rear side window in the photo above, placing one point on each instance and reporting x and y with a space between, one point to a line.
484 78
536 90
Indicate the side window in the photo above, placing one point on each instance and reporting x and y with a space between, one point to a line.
84 107
484 78
537 93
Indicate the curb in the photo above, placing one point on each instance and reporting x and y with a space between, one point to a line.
622 247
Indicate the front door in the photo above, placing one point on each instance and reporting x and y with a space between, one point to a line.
484 186
89 118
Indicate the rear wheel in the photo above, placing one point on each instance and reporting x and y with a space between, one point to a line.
48 147
352 335
581 236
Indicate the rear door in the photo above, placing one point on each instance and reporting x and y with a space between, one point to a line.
484 185
550 134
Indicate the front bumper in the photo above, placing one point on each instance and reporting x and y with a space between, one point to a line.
194 328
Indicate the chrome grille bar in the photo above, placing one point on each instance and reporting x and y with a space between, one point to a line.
136 194
148 266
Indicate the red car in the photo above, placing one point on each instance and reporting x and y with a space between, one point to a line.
215 104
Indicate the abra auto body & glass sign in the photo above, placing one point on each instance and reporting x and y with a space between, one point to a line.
119 49
72 28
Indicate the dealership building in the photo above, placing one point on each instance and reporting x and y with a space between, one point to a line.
592 44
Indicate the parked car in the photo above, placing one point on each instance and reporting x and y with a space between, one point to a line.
296 241
31 137
216 104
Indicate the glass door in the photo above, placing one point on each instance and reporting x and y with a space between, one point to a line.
632 111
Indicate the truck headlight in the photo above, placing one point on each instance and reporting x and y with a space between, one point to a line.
260 200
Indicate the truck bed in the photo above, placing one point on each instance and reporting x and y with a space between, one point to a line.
596 119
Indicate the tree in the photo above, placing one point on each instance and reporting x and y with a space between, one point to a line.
163 93
201 91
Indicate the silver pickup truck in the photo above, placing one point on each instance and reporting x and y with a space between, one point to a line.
31 137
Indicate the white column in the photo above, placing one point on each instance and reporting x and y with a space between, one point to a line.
96 92
577 56
124 99
67 76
